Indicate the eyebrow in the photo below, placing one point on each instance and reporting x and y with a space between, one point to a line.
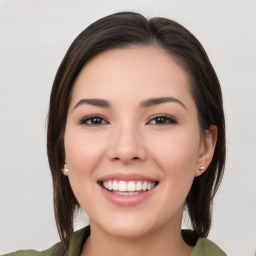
94 102
156 101
146 103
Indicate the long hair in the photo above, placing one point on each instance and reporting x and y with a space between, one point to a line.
122 30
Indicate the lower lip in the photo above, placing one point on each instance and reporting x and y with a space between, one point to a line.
127 200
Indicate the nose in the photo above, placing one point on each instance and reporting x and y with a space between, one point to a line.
127 145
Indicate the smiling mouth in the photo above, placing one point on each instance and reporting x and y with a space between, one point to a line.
121 187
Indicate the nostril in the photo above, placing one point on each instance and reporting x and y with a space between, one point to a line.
132 158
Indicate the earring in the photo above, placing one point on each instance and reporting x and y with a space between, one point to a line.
65 169
201 169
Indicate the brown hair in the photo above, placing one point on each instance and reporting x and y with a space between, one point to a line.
119 31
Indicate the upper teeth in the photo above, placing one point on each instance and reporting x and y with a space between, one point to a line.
128 185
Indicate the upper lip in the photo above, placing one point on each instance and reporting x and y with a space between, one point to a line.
126 177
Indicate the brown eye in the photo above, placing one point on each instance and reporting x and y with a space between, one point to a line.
93 121
162 120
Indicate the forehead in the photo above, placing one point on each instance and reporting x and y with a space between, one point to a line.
132 73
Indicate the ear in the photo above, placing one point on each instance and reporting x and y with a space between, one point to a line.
206 151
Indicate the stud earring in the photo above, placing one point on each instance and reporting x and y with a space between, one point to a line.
65 169
201 169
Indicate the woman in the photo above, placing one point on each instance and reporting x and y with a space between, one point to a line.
136 124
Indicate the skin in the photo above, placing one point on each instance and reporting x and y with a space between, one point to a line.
129 139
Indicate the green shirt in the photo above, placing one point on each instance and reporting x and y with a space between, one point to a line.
203 247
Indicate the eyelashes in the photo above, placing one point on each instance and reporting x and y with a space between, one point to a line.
98 120
93 120
162 119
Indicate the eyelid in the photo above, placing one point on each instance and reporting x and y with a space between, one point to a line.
86 118
170 118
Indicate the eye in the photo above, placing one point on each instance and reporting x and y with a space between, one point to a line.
162 120
93 121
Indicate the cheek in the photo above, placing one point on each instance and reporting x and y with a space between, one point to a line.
176 148
82 150
176 155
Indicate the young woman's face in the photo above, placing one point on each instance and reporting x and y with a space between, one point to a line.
132 141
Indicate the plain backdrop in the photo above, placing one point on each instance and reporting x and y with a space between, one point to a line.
34 36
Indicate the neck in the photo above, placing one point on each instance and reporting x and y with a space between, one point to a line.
165 241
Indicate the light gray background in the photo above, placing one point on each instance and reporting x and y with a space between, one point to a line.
34 36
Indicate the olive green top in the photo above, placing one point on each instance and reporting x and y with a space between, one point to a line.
203 247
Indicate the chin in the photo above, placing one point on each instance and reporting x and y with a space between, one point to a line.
126 227
129 231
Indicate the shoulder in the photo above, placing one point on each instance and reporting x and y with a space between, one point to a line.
55 250
76 243
208 248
